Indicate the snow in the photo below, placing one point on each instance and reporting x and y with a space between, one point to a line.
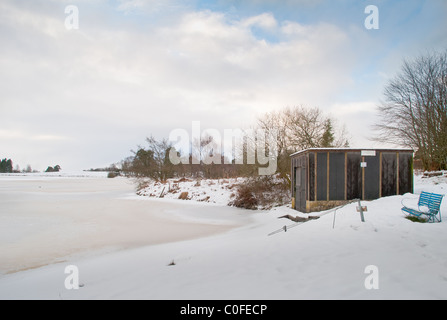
319 259
349 149
216 191
213 191
59 174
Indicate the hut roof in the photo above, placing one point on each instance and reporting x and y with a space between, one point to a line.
351 150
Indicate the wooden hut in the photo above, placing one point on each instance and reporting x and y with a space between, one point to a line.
323 178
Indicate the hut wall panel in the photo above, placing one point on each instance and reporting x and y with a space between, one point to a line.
353 176
311 170
405 173
293 176
389 174
336 176
372 177
322 176
299 165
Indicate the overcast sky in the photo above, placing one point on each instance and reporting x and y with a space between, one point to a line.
85 97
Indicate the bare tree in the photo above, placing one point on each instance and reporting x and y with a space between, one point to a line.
152 162
301 128
275 123
305 127
414 113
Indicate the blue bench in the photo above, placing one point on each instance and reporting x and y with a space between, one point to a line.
429 205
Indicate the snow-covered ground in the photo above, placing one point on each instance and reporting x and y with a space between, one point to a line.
218 191
327 258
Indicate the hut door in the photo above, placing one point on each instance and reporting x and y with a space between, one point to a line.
300 182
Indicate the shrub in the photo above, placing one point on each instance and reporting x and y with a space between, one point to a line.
245 198
56 168
113 174
262 192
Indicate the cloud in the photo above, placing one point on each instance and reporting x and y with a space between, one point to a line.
136 68
219 54
118 85
351 108
48 137
130 5
359 117
265 21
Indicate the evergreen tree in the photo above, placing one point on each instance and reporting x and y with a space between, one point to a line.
327 140
6 166
9 167
56 168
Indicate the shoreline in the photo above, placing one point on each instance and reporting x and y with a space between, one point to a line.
46 221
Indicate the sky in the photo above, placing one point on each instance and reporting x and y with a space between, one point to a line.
83 88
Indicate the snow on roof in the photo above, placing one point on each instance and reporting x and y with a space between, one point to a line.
353 150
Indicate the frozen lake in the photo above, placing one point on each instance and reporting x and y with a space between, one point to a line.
44 220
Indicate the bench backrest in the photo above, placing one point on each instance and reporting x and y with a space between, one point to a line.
430 200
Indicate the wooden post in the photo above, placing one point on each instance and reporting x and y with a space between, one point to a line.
327 176
363 179
346 176
316 177
397 175
380 174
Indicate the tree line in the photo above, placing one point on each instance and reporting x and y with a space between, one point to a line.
294 128
154 162
6 166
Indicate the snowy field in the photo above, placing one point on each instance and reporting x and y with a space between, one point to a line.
133 247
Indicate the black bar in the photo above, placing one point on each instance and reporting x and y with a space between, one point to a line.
221 309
